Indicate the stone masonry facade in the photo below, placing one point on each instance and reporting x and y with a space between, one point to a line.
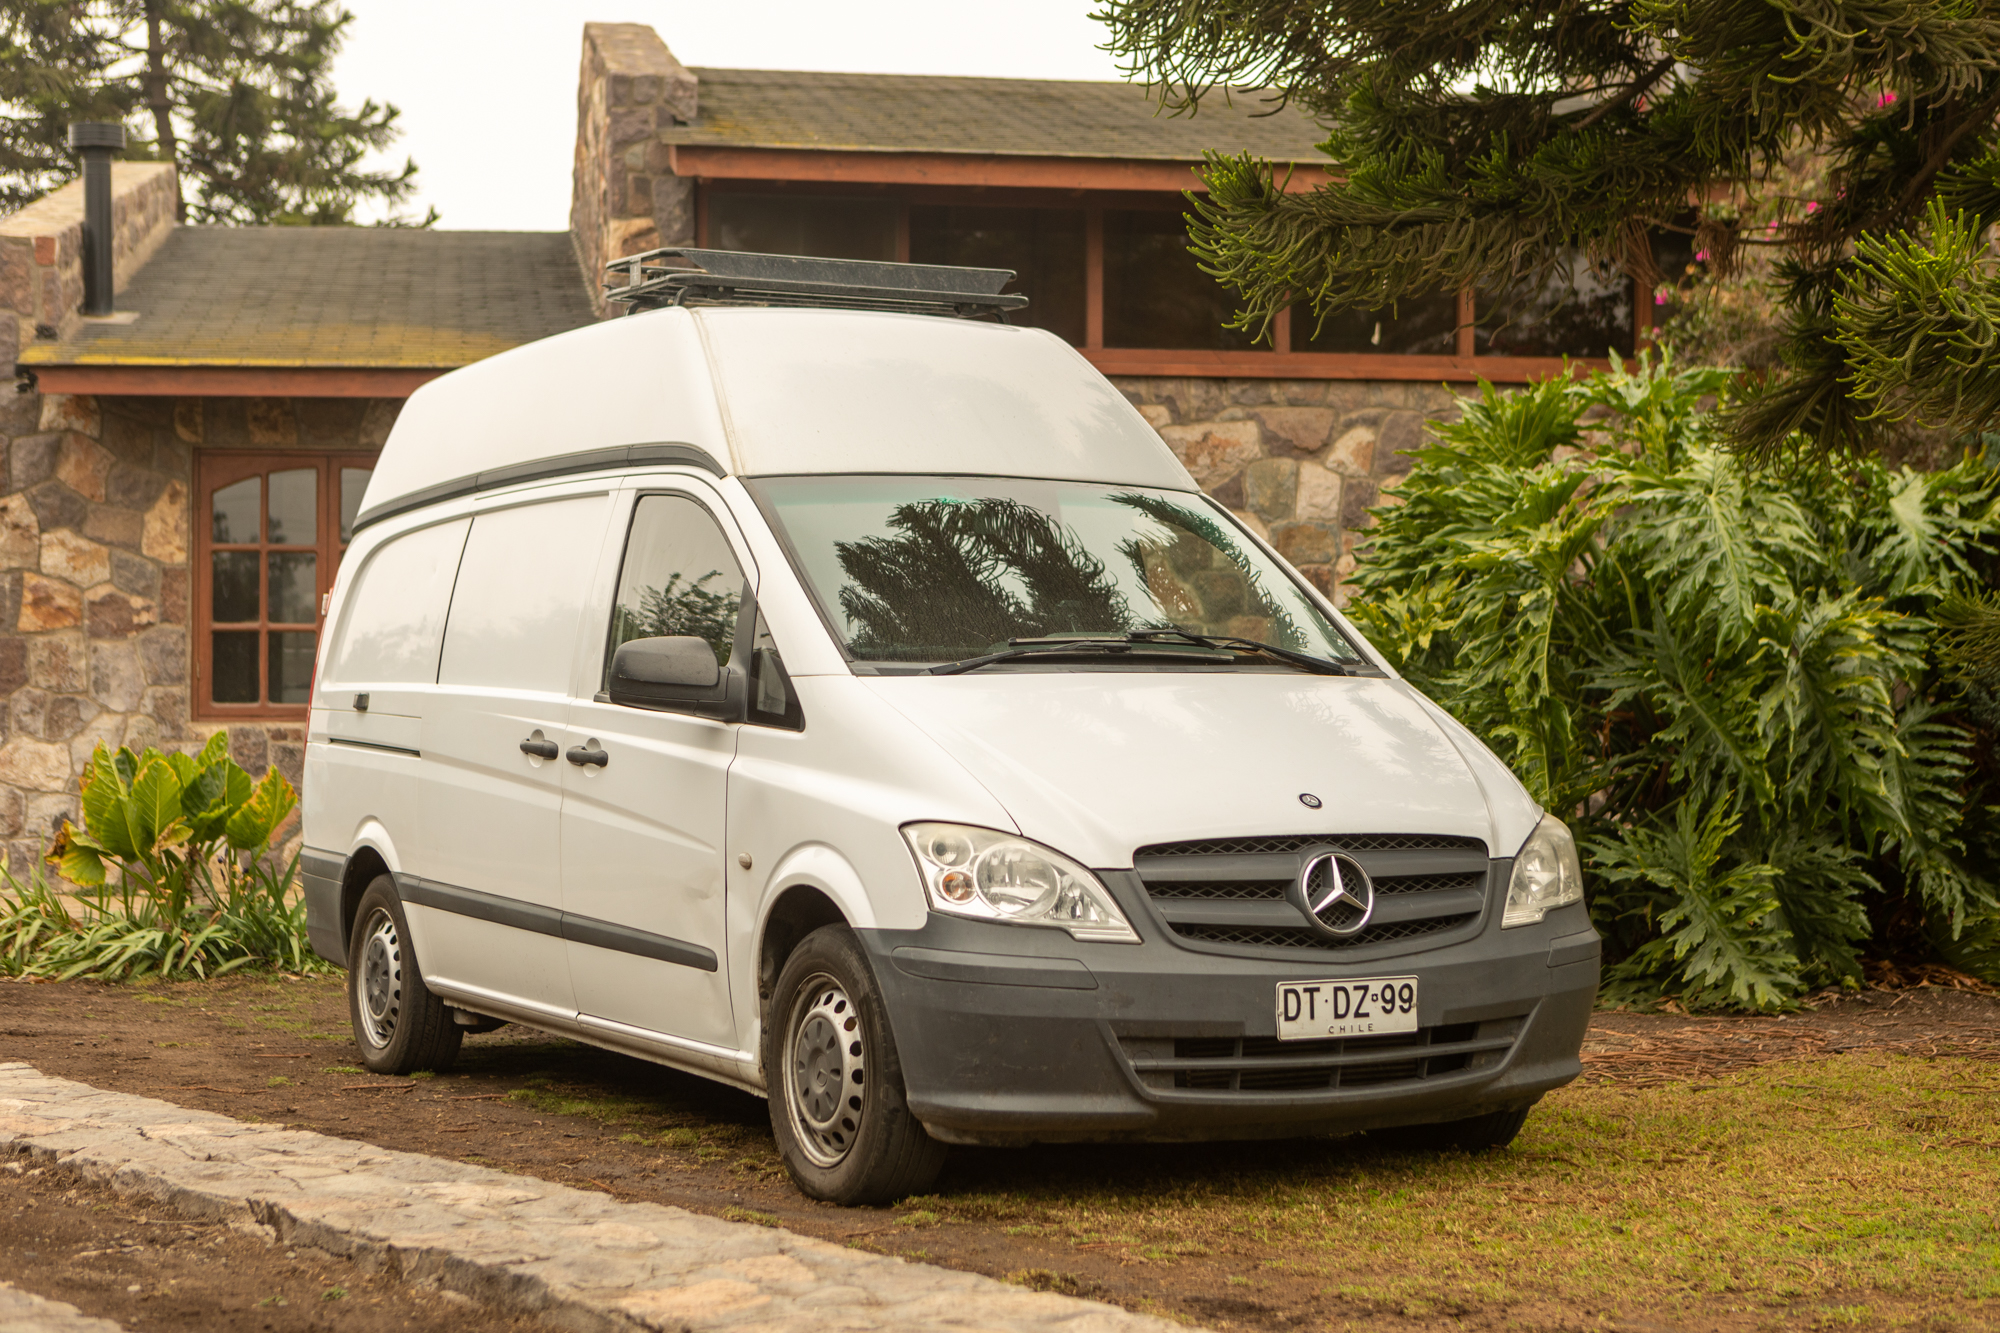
96 514
1300 461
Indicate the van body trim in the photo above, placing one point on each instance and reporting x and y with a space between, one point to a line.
375 745
561 465
549 921
481 906
624 939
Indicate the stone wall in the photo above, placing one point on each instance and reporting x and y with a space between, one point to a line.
1301 461
41 251
624 197
95 597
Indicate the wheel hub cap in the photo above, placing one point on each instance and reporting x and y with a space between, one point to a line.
825 1074
381 981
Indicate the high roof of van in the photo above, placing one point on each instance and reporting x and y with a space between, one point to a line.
750 391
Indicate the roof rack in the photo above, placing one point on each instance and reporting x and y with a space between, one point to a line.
733 277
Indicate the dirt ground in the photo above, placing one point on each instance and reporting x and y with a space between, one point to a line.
278 1050
148 1268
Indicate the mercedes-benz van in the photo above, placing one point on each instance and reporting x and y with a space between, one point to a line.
812 682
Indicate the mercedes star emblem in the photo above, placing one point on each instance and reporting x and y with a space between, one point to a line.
1335 893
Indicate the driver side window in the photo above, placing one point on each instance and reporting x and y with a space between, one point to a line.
679 578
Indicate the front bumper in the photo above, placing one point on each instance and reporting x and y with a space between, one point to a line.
1012 1034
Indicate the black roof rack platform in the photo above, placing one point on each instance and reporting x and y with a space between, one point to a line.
737 278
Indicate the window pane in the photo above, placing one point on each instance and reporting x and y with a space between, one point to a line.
679 577
516 600
292 665
233 590
1155 295
803 225
1414 326
234 511
353 485
295 507
293 588
233 667
1044 247
1584 309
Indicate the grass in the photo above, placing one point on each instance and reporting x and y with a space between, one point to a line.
1834 1187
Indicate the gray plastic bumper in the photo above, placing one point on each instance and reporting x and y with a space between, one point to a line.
1012 1034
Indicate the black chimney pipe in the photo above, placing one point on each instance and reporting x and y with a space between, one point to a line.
97 142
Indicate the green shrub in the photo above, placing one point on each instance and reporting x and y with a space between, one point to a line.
174 872
1727 679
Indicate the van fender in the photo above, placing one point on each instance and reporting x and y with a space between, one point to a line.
372 841
819 866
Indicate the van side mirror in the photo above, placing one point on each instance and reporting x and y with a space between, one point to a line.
679 660
677 673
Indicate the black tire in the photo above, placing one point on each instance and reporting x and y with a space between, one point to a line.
398 1024
835 1084
1479 1133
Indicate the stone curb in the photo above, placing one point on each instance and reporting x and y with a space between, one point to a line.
25 1312
582 1260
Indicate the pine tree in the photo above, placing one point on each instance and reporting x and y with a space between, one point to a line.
237 93
1486 143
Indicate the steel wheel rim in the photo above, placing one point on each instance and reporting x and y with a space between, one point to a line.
825 1070
381 1005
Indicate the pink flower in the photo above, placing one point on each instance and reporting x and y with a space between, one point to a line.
1812 206
1659 298
1701 255
1886 99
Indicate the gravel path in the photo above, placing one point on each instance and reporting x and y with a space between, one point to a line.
23 1313
512 1242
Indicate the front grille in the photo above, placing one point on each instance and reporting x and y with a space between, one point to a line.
1232 892
1283 937
1265 1064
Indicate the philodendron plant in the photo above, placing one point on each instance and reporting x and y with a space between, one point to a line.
175 867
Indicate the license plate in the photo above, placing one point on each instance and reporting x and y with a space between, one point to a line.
1360 1007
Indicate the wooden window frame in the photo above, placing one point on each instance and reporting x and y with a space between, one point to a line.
1278 361
215 469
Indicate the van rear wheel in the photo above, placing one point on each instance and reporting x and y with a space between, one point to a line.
398 1024
843 1126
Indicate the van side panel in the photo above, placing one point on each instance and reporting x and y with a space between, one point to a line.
486 887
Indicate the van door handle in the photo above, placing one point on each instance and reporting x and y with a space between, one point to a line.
579 756
539 749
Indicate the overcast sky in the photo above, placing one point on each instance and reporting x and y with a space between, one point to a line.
488 87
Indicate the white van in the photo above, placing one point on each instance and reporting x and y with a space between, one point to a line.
813 684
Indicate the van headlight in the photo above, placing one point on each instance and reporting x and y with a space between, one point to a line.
1546 874
993 876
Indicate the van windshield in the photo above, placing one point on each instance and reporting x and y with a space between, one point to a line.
926 570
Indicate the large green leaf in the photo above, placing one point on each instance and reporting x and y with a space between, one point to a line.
250 828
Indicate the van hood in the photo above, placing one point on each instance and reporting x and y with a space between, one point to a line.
1096 764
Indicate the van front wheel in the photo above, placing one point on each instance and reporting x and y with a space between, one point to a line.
843 1126
398 1024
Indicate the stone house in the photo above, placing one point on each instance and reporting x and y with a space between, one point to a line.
177 478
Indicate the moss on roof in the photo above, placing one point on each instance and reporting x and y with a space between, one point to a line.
334 296
756 108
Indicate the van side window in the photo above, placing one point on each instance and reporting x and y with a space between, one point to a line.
516 606
395 610
679 577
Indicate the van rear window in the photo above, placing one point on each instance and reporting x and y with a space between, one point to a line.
923 570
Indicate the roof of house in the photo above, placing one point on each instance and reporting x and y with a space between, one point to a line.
334 296
757 108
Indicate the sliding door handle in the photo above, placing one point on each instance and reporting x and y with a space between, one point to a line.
579 756
539 749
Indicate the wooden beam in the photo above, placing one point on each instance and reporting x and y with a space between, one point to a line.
236 381
1336 365
982 170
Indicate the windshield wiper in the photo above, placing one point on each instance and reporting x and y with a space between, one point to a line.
1324 666
1124 645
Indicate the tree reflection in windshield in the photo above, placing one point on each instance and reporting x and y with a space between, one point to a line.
964 575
